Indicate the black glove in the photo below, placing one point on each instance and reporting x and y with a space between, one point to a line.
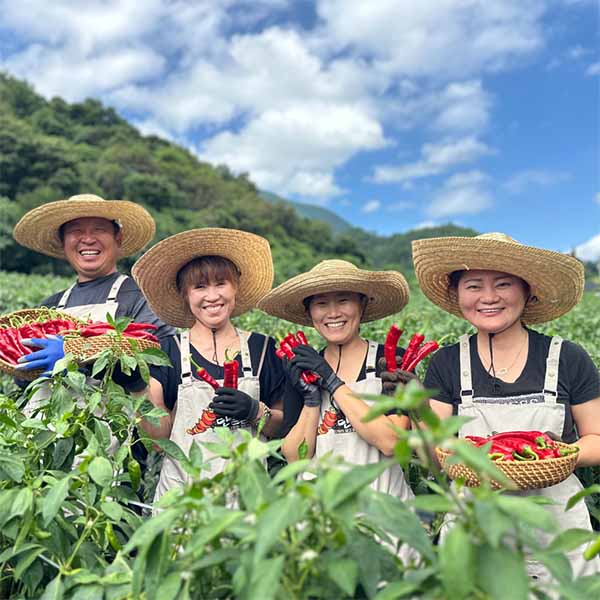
391 379
229 402
308 359
132 382
310 392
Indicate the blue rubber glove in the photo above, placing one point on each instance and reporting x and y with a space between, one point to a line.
52 350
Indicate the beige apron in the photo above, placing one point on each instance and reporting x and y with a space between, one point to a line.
95 312
342 440
539 412
193 396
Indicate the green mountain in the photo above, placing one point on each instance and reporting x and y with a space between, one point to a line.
52 149
312 211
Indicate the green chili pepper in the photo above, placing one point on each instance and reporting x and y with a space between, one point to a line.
135 473
111 537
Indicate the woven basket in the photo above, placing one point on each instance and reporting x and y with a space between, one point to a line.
33 314
85 349
527 475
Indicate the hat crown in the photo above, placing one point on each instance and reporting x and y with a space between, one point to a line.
499 237
87 198
333 264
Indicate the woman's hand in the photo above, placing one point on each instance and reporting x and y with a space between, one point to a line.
391 379
310 392
229 402
308 359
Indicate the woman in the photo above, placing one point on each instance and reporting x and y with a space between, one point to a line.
506 376
197 280
335 297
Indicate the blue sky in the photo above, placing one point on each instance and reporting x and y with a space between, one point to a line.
394 114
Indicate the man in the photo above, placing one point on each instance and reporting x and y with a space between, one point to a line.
92 234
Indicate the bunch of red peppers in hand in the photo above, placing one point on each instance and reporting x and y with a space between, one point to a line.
133 330
285 351
521 445
414 354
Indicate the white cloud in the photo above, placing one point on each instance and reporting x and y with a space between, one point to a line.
436 158
295 151
589 250
371 206
425 225
399 206
463 193
522 181
593 69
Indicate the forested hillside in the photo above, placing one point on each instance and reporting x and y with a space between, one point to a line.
51 150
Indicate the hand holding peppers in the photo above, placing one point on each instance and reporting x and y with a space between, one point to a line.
310 392
391 379
236 404
51 350
308 359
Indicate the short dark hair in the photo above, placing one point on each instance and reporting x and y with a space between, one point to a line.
61 229
205 269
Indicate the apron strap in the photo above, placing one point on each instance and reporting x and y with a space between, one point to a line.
116 286
65 297
466 381
262 356
245 352
371 361
184 349
551 379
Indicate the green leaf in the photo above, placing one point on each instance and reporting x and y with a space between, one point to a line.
290 471
101 362
398 520
382 405
569 540
221 519
145 535
12 551
494 523
25 561
100 470
275 518
62 449
457 563
54 590
154 356
302 450
398 589
265 579
13 467
169 588
254 483
573 500
344 573
352 481
54 499
523 509
501 573
172 449
478 460
22 503
432 503
112 510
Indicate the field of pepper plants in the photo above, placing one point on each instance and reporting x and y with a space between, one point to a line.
75 521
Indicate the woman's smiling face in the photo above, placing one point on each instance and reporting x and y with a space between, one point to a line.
336 315
491 301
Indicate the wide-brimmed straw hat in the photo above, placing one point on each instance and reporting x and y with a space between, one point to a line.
556 280
387 291
39 228
156 271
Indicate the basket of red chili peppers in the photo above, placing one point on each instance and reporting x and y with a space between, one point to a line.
29 323
86 342
531 459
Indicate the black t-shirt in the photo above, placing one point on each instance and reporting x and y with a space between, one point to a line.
578 378
130 298
293 402
271 377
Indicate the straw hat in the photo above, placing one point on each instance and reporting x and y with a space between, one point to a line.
156 271
556 279
38 229
387 291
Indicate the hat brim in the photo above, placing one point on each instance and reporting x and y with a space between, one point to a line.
387 293
556 280
156 271
39 228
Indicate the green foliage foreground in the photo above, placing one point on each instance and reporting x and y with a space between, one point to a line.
70 525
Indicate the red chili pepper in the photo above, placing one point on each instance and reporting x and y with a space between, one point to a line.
426 349
411 350
139 326
389 348
476 439
230 378
329 420
208 417
287 349
536 437
206 376
302 338
7 350
291 340
279 353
